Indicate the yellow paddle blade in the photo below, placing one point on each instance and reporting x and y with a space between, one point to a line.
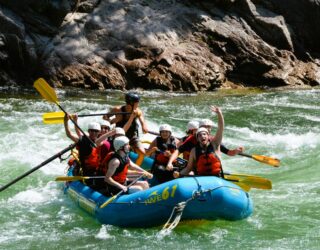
237 181
252 181
70 178
53 117
243 186
266 159
259 183
45 90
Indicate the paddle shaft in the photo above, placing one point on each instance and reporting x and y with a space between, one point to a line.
121 192
37 167
246 155
75 124
114 113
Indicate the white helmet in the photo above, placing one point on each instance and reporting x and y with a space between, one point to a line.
119 131
119 142
165 127
94 126
192 125
105 123
205 122
202 130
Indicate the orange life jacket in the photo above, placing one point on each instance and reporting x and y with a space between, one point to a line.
207 162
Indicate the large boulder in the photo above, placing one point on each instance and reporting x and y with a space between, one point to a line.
169 44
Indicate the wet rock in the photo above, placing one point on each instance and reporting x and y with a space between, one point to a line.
171 45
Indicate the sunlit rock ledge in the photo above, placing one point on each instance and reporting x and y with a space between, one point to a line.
158 44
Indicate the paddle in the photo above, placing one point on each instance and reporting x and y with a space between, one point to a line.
244 181
49 94
77 178
58 117
122 191
264 159
37 167
249 180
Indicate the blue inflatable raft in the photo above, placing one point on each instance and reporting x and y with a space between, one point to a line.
208 198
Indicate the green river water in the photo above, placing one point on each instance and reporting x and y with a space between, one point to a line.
35 214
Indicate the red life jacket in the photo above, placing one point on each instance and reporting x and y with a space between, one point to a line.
92 161
104 149
120 175
88 155
160 157
207 162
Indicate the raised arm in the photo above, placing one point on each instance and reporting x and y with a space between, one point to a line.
131 119
219 134
105 136
71 135
143 123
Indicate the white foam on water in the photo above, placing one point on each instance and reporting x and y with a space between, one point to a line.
289 140
103 233
39 195
310 117
217 235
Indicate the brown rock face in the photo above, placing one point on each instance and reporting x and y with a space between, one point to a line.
170 45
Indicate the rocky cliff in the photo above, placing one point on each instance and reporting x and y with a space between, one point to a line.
160 44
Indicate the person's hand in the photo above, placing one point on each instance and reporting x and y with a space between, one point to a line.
169 167
149 175
124 189
176 174
167 153
74 117
137 113
239 150
215 109
66 117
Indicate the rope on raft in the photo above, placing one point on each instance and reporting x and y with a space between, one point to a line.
174 218
178 209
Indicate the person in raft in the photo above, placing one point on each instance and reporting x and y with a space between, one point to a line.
208 124
204 159
163 146
132 104
116 168
88 155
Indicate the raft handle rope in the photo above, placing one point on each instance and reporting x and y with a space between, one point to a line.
174 218
178 209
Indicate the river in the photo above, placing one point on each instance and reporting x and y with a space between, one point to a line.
35 214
